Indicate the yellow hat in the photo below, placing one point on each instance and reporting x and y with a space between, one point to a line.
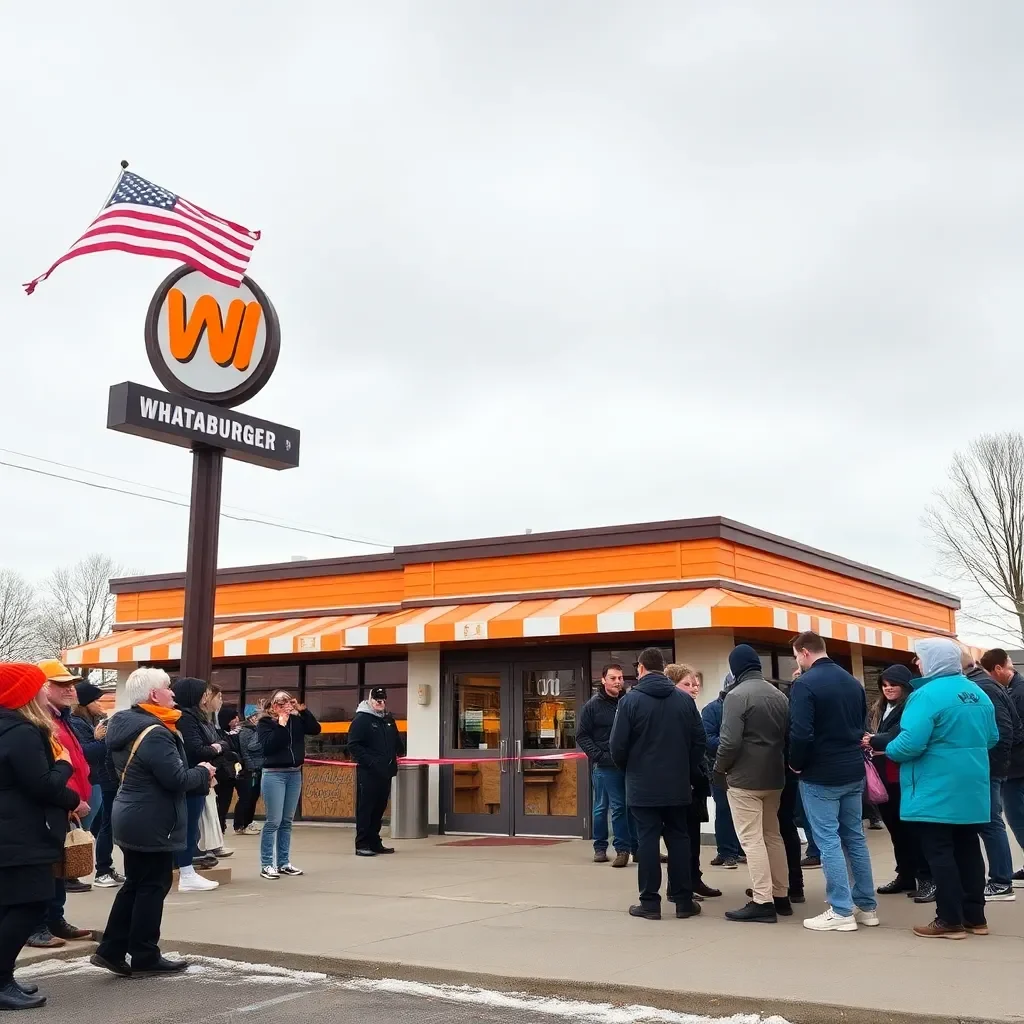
55 672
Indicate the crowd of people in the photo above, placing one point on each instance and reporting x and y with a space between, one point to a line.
158 780
943 743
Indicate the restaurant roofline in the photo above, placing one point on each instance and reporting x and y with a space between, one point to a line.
669 531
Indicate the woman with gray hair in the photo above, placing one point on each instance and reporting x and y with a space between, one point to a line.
148 822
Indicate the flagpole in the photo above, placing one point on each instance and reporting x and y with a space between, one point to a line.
120 175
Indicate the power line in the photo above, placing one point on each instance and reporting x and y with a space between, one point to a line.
180 494
182 504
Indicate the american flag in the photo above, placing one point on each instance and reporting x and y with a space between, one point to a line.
147 220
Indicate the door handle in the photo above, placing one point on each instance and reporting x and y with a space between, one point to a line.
501 756
519 757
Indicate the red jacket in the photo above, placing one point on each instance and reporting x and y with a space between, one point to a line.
79 766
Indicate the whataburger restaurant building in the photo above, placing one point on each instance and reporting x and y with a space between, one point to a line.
489 648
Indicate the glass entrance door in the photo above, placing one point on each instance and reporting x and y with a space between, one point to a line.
502 723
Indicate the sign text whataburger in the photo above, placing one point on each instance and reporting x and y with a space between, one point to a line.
135 409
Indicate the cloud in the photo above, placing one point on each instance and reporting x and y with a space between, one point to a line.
537 265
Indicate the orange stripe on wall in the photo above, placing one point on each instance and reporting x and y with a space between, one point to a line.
333 728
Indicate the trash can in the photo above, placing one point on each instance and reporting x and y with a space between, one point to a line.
409 802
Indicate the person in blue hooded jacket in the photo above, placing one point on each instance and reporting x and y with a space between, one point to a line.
947 729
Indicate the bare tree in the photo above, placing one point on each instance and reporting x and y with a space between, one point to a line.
978 525
18 611
77 605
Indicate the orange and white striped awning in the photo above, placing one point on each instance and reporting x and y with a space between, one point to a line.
500 620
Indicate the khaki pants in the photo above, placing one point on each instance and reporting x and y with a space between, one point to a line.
755 813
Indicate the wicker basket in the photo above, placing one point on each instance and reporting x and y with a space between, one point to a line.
79 858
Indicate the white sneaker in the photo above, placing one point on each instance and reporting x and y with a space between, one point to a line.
830 921
196 883
252 830
868 918
270 872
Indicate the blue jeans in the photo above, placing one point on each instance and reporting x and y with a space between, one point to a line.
801 820
95 808
726 840
834 814
1013 807
997 846
281 788
194 803
610 794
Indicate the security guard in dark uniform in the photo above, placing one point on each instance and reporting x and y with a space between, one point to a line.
375 744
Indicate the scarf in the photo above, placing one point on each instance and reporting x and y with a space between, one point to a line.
166 715
56 747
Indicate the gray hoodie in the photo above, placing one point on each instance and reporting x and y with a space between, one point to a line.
938 657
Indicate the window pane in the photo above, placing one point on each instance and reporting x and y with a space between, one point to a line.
549 709
230 682
332 705
386 673
624 656
345 673
787 666
262 681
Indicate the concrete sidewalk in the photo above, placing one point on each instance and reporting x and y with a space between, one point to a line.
546 913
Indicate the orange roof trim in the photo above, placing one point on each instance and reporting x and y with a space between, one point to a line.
502 620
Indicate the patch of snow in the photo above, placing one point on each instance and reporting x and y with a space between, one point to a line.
570 1009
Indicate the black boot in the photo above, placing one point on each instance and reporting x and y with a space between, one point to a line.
895 887
783 904
690 909
650 913
762 913
704 891
797 896
27 987
12 998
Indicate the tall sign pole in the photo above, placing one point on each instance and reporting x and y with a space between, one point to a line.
213 346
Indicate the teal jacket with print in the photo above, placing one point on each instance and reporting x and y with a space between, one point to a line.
947 729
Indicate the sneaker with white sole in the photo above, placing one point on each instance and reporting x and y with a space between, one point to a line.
868 918
1018 879
252 830
289 869
830 921
108 880
994 893
270 872
196 883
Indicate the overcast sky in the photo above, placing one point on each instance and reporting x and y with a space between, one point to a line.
538 264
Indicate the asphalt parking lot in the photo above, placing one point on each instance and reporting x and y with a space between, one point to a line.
216 991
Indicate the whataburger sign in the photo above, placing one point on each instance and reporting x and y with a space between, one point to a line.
212 346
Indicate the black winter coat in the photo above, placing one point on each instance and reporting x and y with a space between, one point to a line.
34 796
375 744
595 728
1015 691
149 809
197 732
1008 723
284 746
658 738
249 748
95 752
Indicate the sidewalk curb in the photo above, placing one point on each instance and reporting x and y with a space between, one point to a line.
795 1012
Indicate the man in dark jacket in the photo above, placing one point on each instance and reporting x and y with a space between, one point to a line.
149 822
827 712
608 782
727 842
375 744
999 666
658 740
752 761
993 834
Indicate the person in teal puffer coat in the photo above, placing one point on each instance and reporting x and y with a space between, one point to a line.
947 728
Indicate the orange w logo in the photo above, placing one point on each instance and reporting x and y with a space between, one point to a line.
231 339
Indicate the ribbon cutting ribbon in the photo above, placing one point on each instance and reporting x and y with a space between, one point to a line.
569 755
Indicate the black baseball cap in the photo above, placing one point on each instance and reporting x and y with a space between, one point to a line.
378 693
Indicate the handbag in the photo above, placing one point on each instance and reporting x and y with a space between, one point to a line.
79 858
211 837
874 787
